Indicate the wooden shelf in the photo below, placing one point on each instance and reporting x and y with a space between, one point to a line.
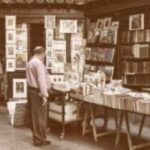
136 85
96 62
101 45
136 59
135 43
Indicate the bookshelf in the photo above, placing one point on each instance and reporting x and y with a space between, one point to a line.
101 45
135 51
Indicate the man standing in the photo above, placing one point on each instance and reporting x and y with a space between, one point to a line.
38 85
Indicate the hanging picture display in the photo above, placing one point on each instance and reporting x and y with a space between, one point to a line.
10 65
50 21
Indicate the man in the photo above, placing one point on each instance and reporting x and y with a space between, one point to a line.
38 85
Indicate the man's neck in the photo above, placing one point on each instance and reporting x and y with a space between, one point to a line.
38 57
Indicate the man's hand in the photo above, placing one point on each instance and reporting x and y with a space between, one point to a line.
44 101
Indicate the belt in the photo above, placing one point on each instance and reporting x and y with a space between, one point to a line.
33 88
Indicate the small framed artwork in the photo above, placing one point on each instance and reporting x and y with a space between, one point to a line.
19 88
49 43
59 45
49 34
99 24
68 26
50 21
88 53
59 56
107 22
10 65
10 51
136 22
21 60
10 36
10 22
76 44
49 53
49 63
56 79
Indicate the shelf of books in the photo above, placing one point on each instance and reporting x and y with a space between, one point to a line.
101 46
135 52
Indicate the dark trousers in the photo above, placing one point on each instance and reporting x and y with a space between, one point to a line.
38 116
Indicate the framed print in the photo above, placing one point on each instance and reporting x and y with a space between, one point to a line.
58 68
136 22
10 65
21 60
49 43
59 45
107 22
19 88
76 44
10 51
88 53
68 26
57 34
56 79
10 22
49 53
59 56
49 63
49 34
10 36
50 21
99 24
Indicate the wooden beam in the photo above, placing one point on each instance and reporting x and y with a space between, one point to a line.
116 7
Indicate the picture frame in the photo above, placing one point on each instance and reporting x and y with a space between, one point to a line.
10 65
19 88
58 68
115 24
76 44
10 22
100 24
49 44
50 21
59 56
56 79
49 33
59 45
136 22
10 51
49 53
10 36
21 60
107 22
88 53
49 63
68 26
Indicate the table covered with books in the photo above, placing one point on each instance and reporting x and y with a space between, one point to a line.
122 100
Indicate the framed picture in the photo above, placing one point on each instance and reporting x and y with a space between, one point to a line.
19 88
49 43
136 22
49 63
49 33
58 68
49 53
107 22
10 65
21 60
68 26
10 36
88 53
50 21
56 79
99 24
59 56
10 22
76 44
10 51
59 45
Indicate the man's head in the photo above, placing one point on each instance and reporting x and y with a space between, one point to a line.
39 51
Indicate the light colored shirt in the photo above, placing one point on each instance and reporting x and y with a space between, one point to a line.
37 76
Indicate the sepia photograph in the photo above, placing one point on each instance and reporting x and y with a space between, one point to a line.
74 74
